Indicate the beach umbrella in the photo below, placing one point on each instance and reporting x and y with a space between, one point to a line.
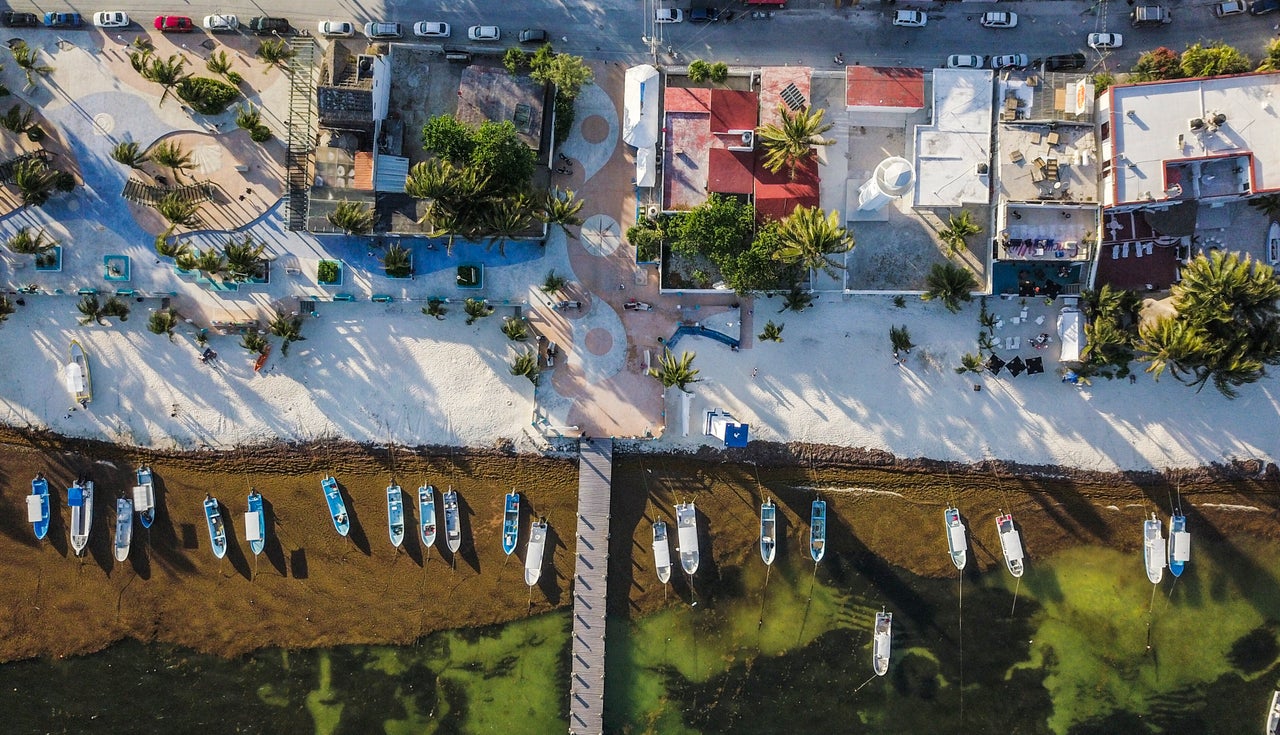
995 364
1035 366
1016 366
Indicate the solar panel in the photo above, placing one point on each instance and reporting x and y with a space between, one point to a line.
792 96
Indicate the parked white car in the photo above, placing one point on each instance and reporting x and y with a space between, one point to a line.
911 18
966 61
220 23
1010 61
1231 7
335 29
376 31
999 20
430 29
1104 41
484 33
111 19
668 15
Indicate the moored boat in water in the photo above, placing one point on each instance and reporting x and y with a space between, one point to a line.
217 530
395 514
768 531
956 540
38 506
1179 543
427 515
452 531
255 523
687 536
510 522
661 551
80 498
882 643
1010 544
1273 715
337 506
1153 551
144 496
124 527
534 551
818 530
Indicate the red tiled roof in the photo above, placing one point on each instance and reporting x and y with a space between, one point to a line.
680 99
730 172
773 80
777 195
882 86
363 179
733 110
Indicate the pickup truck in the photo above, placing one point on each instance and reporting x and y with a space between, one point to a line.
266 26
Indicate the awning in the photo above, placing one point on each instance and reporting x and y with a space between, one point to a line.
1070 334
646 166
640 116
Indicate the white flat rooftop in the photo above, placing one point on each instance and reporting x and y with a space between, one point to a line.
949 151
1151 127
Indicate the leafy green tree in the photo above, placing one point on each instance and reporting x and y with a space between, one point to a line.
719 72
397 261
287 327
949 283
28 60
502 157
959 230
790 143
648 235
811 239
721 227
127 152
772 332
675 371
514 59
1271 62
515 329
1101 81
540 62
1157 64
172 156
353 218
699 71
476 309
526 364
757 268
1216 59
35 181
449 138
163 321
567 72
553 282
275 52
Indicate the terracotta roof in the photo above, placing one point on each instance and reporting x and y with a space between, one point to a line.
681 99
777 195
730 172
733 110
882 86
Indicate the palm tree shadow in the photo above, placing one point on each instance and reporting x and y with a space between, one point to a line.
273 549
357 534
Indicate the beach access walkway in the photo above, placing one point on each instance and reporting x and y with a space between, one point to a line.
595 480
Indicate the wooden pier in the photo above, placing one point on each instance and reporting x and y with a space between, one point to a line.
586 690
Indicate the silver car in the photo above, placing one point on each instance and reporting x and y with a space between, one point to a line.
335 29
966 61
220 23
428 29
376 31
484 33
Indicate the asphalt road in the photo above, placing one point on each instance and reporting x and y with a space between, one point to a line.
806 33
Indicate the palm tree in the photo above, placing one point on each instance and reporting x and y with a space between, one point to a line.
168 73
30 242
171 249
397 261
526 364
1171 344
17 119
435 308
248 117
949 283
796 300
218 63
772 332
178 211
186 260
140 59
353 218
476 309
288 328
1269 204
27 59
507 219
433 179
244 259
172 156
255 343
970 363
900 339
1106 342
275 51
676 371
560 209
163 321
553 282
790 143
515 329
958 230
6 308
128 152
210 262
36 182
810 238
90 308
117 308
1225 291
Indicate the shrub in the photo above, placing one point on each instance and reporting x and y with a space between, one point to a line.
260 134
699 71
207 96
719 72
328 272
64 182
235 78
564 117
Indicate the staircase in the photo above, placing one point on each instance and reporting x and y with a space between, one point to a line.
302 118
150 195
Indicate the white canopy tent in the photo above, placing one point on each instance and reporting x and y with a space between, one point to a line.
640 120
1070 333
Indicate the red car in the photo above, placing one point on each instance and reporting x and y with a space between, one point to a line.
174 24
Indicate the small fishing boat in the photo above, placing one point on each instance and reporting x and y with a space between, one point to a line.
768 531
427 514
1179 543
687 536
144 496
1153 551
818 530
1273 243
395 515
337 506
124 527
1273 715
255 523
79 381
534 551
511 522
452 531
1010 544
217 531
883 642
661 551
38 506
956 539
80 498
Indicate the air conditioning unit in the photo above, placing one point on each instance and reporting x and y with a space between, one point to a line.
1196 124
982 169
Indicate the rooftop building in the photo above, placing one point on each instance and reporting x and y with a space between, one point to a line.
953 154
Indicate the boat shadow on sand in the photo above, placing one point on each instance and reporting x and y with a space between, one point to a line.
549 578
412 546
356 534
163 545
467 551
235 553
273 549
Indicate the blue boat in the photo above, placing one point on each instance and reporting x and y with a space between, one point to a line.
452 527
38 506
144 497
511 522
255 523
80 498
768 531
818 530
427 514
395 514
1179 543
217 531
337 506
